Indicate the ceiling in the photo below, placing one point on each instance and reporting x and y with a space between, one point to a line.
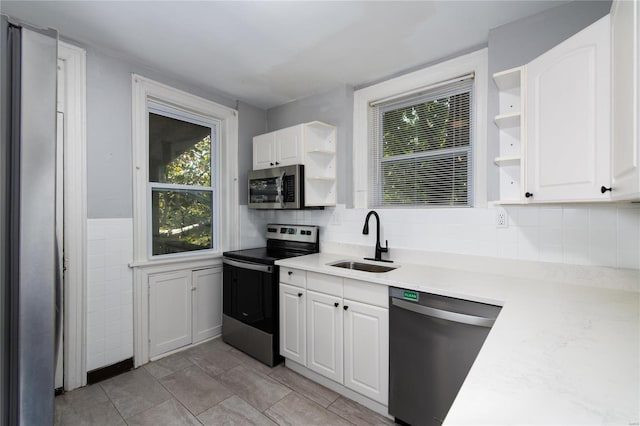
268 53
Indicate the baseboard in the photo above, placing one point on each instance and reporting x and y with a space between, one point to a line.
103 373
336 387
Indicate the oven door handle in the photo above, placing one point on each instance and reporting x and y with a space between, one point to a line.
247 265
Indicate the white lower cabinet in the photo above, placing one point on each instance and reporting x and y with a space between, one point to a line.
344 326
169 311
293 343
324 334
366 350
207 303
185 307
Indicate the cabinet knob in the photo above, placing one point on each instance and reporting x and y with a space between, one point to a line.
290 273
345 307
528 194
299 294
336 304
271 164
277 163
604 189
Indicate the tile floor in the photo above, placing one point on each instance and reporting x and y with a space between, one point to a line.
210 384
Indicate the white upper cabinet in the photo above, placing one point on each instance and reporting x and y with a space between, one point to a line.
264 151
568 119
310 144
289 146
280 148
625 17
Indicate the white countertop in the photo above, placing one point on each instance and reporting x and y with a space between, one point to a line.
557 354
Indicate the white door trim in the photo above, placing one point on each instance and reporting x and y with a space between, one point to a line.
75 215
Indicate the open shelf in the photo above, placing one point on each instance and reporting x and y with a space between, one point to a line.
508 79
510 122
504 121
320 164
321 178
507 161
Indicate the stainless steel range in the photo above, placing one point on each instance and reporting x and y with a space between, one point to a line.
250 289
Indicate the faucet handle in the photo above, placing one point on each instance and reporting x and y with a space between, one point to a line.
386 247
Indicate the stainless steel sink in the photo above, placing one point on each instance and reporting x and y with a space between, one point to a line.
361 266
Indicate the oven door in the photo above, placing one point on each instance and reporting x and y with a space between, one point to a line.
250 293
277 188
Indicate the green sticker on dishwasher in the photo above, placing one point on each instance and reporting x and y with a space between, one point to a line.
410 295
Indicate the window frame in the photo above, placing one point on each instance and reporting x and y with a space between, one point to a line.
214 184
378 187
475 62
159 97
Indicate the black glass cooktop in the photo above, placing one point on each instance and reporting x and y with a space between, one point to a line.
262 255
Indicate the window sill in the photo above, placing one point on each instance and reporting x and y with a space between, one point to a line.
205 259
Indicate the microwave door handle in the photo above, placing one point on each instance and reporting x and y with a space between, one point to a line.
280 188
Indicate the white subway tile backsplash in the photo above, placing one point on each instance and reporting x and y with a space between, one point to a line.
550 253
575 217
576 254
109 291
550 237
551 218
528 217
605 235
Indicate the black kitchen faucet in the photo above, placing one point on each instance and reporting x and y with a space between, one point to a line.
379 248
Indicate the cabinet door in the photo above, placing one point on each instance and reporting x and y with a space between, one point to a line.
568 123
324 335
366 350
289 146
169 311
207 303
264 151
292 323
625 21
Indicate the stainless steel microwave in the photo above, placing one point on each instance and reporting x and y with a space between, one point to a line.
277 188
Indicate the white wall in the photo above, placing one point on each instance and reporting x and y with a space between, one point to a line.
109 191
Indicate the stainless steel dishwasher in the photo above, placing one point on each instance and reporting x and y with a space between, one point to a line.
433 341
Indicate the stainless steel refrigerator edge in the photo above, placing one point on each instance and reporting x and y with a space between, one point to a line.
28 254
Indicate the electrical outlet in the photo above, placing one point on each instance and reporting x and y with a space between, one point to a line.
501 219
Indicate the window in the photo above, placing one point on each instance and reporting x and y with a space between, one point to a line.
419 139
420 147
183 172
185 175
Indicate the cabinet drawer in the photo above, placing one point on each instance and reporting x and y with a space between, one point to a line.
365 292
292 276
327 284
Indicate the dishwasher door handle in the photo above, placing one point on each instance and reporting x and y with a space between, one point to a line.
445 315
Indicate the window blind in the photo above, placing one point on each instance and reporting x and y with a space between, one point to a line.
420 148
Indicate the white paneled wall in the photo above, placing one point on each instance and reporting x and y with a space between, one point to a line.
599 235
109 291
